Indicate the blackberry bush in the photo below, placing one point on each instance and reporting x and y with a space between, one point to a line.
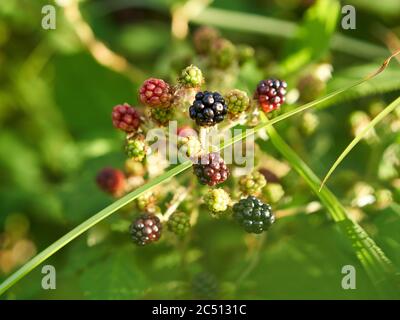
253 215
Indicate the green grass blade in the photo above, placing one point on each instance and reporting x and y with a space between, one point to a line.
360 136
275 27
378 267
106 212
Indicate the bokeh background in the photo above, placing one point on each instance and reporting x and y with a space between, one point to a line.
57 89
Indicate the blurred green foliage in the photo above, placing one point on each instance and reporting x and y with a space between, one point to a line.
56 133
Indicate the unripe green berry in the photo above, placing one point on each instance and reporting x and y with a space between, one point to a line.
223 54
161 115
273 192
147 202
191 77
237 102
252 183
217 201
179 223
245 53
203 39
136 147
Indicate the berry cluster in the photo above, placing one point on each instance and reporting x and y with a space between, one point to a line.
271 94
208 108
211 169
146 229
253 215
162 103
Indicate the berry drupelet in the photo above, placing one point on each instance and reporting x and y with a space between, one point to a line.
125 118
211 169
208 108
253 215
179 223
155 93
145 229
112 181
270 94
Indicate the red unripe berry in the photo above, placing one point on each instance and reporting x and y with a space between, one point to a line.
125 118
112 181
155 93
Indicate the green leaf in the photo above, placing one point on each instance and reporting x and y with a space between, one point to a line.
360 136
116 277
378 267
313 38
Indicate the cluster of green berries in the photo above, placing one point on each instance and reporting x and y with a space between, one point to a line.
253 183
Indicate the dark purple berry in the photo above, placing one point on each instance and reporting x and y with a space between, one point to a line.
211 169
145 229
270 94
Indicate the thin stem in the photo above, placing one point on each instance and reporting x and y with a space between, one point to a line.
180 195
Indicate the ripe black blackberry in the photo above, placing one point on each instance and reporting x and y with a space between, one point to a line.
211 169
270 94
208 108
145 229
253 215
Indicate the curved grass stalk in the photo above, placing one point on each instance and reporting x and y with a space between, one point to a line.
109 210
378 267
359 137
